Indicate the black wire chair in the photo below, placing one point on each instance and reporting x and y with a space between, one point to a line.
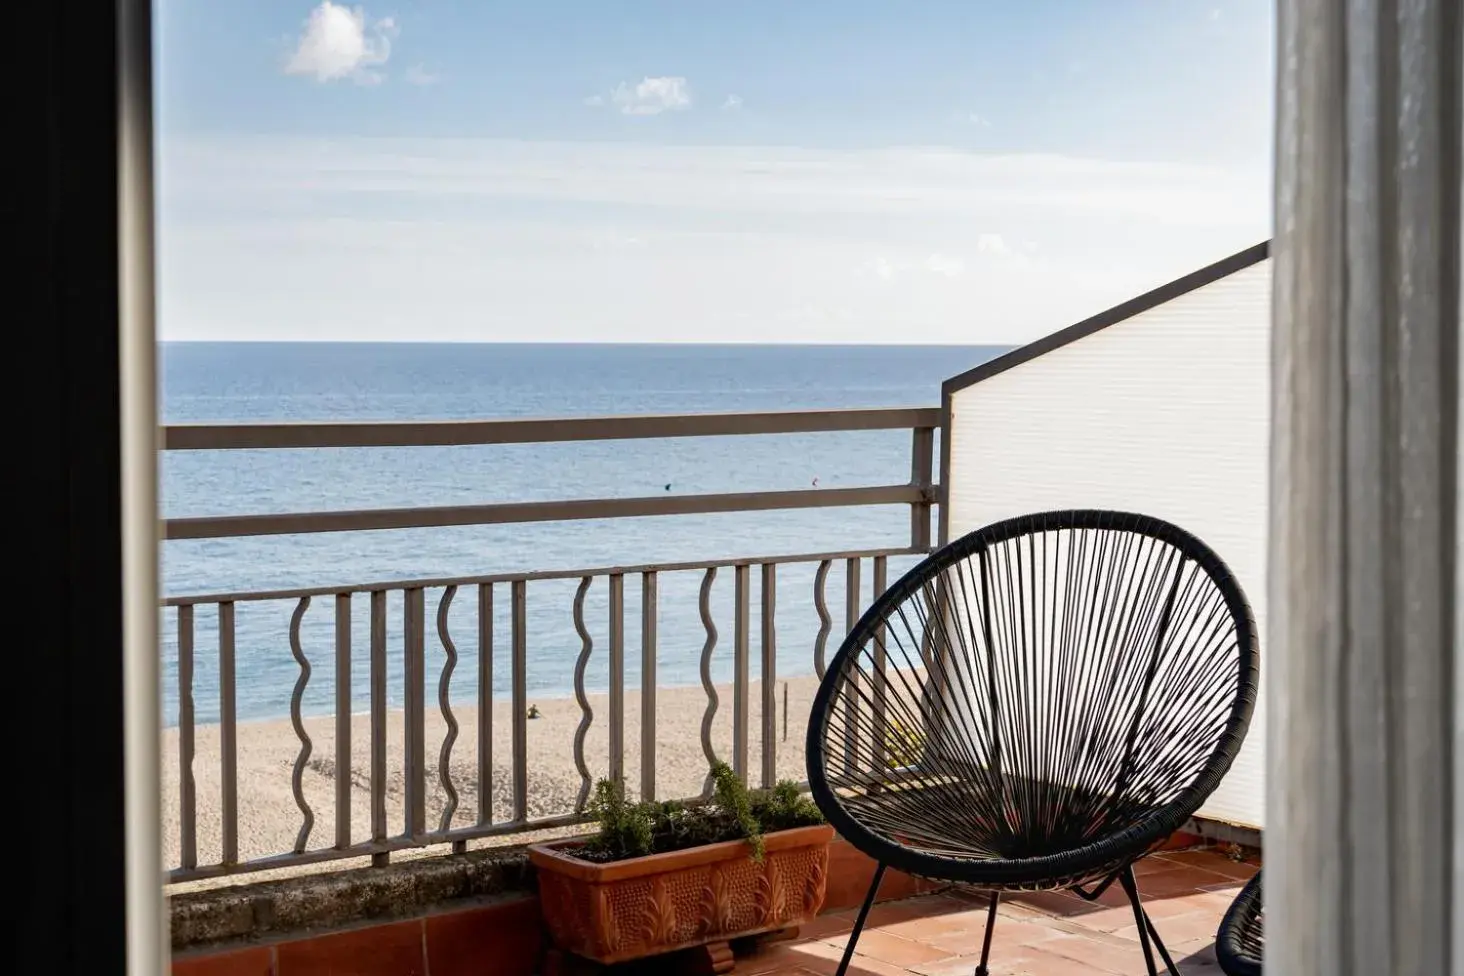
1240 942
1035 707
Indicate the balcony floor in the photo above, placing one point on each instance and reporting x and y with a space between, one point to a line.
1041 934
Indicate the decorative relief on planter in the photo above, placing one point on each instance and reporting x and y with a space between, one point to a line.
650 905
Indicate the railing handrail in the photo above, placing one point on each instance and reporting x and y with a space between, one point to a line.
538 575
537 430
559 510
919 493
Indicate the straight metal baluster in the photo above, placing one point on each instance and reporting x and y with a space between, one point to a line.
378 725
343 759
520 667
881 691
414 645
851 696
741 623
648 686
617 679
228 737
187 796
485 703
769 674
922 462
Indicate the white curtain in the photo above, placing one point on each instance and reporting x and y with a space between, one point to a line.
1361 803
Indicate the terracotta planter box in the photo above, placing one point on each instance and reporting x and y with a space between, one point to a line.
701 896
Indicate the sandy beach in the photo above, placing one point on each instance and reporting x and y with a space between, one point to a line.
269 818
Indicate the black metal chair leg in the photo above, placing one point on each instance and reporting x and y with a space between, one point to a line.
1159 943
1148 935
981 970
859 922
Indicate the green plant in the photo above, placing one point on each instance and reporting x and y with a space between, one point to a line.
629 830
903 745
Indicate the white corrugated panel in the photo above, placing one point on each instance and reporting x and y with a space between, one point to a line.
1165 413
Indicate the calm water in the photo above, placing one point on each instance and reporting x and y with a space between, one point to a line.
248 382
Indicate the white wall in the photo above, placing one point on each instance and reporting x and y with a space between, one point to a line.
1165 413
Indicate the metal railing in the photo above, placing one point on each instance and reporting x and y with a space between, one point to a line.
919 493
407 603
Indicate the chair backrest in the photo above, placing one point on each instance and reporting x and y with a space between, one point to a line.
1036 686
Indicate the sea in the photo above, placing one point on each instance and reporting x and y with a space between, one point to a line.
303 382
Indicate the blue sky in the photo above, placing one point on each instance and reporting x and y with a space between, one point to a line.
834 171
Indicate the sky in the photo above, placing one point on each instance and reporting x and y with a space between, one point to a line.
763 171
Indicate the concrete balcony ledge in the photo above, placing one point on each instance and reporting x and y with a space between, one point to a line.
317 902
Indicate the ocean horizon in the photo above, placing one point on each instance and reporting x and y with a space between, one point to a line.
256 382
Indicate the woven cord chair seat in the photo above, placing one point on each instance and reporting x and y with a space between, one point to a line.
1037 704
1240 943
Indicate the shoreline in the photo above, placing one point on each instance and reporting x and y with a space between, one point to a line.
266 751
724 691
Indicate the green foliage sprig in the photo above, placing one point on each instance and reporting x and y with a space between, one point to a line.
629 830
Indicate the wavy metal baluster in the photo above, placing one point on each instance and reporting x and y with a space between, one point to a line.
706 676
187 789
444 758
587 714
825 619
297 779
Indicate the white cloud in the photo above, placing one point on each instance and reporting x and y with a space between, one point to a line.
339 42
978 120
595 101
733 103
463 239
883 268
943 264
419 75
652 96
992 244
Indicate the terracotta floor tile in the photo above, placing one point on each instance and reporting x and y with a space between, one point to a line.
1196 952
863 965
825 926
1183 880
1214 902
1020 912
881 945
773 959
1107 919
1058 903
1075 927
1200 968
921 906
823 958
1154 863
1217 863
1123 957
1180 928
1038 962
964 918
1010 935
954 966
